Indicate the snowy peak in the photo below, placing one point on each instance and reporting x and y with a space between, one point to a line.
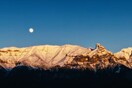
71 56
124 57
44 56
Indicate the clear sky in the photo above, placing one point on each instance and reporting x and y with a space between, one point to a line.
58 22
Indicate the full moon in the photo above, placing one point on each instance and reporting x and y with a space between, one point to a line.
31 30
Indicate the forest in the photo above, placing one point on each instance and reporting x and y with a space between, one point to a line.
61 77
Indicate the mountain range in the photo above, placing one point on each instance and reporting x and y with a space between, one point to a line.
69 56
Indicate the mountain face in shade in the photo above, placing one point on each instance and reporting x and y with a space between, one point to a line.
71 56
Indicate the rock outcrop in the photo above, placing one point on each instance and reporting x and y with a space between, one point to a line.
98 58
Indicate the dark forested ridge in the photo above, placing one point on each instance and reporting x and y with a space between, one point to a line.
27 77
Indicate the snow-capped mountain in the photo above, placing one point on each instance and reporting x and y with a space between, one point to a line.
124 57
73 56
40 56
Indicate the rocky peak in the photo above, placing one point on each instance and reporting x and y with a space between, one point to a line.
99 50
100 57
99 46
97 58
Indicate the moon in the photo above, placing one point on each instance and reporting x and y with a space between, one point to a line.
31 30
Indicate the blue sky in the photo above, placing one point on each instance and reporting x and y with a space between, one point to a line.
58 22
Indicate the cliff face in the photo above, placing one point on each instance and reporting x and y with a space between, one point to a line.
72 56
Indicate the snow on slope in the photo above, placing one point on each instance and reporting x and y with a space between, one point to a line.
125 57
47 56
40 56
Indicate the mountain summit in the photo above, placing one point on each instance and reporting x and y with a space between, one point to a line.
71 56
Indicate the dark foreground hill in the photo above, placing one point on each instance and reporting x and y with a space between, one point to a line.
27 77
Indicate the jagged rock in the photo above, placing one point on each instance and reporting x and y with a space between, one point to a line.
97 58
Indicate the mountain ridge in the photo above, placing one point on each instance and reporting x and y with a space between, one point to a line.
71 56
